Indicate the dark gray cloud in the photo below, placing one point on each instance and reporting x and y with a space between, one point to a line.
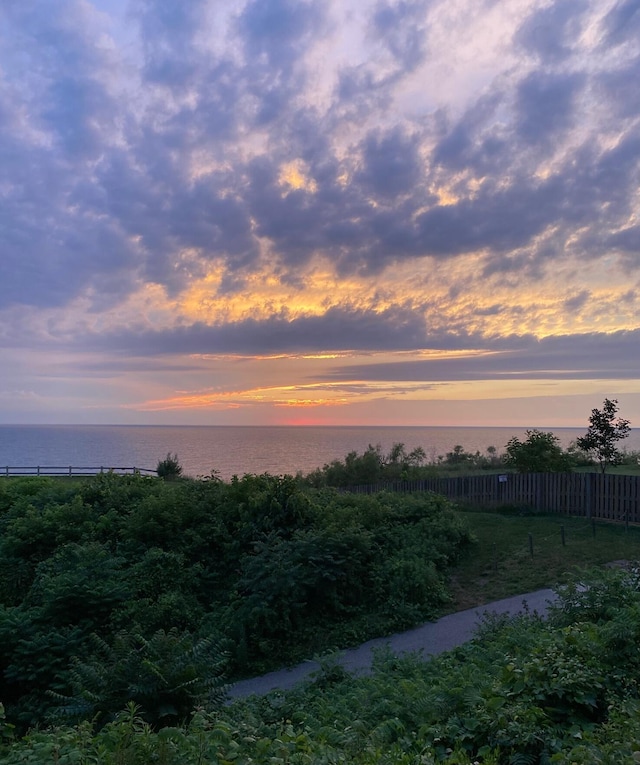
627 240
578 301
465 142
168 32
619 89
50 51
107 182
399 27
545 105
622 23
397 328
551 33
52 248
116 367
592 356
391 164
278 30
275 35
397 35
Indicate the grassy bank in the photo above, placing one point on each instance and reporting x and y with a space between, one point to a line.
500 563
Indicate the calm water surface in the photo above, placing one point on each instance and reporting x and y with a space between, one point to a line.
238 450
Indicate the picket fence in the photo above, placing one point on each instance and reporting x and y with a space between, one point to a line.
593 495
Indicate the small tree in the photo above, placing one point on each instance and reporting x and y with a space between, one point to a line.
540 453
605 430
169 468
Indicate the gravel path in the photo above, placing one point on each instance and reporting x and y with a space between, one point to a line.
431 638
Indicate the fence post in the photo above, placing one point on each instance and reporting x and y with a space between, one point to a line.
38 470
70 469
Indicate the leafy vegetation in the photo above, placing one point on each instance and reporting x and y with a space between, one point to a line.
126 603
166 677
604 432
373 466
540 452
125 588
563 690
169 468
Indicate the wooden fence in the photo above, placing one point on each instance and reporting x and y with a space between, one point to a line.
12 471
593 495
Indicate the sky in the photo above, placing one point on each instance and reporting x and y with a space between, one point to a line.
319 212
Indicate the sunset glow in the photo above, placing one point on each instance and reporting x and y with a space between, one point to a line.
392 212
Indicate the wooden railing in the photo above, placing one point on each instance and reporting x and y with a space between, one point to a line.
593 495
11 471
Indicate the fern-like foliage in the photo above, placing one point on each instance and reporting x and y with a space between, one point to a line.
166 676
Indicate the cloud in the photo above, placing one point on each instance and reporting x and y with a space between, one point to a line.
186 180
168 34
622 23
399 27
627 240
65 90
546 105
576 302
617 88
551 33
337 329
278 30
592 356
275 36
391 164
432 163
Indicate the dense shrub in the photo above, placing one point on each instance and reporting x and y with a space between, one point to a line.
263 566
169 468
540 452
375 467
525 690
166 676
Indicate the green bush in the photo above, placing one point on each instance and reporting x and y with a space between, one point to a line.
277 570
166 676
169 468
539 453
525 690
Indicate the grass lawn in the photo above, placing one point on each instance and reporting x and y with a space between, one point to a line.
626 469
500 563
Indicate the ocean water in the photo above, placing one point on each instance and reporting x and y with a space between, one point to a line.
232 451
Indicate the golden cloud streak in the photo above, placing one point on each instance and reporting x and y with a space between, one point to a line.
309 402
333 395
329 394
450 295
